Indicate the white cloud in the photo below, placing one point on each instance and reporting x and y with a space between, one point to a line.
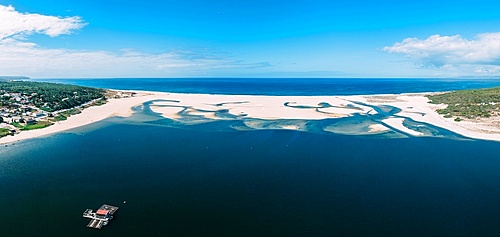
480 55
14 23
18 56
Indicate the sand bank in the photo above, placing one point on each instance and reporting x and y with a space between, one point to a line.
416 107
175 106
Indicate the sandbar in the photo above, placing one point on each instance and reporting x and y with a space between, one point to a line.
208 106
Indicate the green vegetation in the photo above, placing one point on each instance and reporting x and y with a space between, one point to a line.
38 125
22 101
4 132
469 103
17 125
48 96
70 112
99 102
60 117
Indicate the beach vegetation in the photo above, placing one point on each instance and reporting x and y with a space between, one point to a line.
60 117
27 127
470 104
38 125
16 124
70 112
100 102
4 132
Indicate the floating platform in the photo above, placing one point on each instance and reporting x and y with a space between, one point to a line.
101 217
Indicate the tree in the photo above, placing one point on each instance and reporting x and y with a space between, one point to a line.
1 119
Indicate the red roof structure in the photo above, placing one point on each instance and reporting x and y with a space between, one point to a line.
102 212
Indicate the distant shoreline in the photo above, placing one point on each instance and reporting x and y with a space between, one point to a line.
413 106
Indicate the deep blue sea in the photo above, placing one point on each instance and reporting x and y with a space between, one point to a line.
284 86
210 180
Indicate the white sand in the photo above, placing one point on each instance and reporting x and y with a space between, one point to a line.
416 107
376 128
397 123
268 108
262 107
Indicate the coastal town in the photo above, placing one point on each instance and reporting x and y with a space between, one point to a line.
26 105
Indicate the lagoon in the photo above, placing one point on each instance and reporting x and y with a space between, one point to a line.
202 181
210 179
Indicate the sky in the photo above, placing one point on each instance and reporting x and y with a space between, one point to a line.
258 38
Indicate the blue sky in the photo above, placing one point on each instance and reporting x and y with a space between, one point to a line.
173 38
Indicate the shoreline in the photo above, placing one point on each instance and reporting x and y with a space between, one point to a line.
114 107
265 107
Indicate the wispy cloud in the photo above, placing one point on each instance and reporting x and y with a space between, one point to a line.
479 55
25 58
18 56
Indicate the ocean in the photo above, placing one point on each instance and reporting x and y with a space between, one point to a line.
285 86
210 180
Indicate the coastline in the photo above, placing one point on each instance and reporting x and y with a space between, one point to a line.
169 105
114 107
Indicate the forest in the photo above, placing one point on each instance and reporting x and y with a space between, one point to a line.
48 96
469 104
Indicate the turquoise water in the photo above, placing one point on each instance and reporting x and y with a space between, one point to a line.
219 179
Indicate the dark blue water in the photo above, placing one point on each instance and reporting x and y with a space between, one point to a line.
285 86
202 182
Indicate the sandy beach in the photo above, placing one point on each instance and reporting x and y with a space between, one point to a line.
175 106
114 107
